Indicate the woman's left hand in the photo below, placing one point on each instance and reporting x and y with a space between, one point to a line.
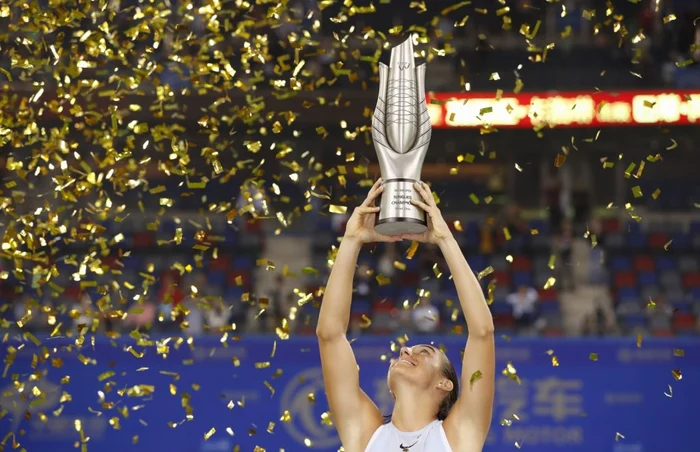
438 231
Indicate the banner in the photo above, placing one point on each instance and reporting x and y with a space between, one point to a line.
574 395
567 109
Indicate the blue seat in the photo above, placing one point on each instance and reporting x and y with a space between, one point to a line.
628 293
647 278
633 227
695 294
243 262
695 227
681 242
234 293
217 278
386 291
551 307
665 263
522 279
682 306
621 263
501 307
636 240
477 262
635 320
361 306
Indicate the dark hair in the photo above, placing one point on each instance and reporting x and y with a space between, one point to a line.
449 372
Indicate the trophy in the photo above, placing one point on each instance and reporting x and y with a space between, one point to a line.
401 134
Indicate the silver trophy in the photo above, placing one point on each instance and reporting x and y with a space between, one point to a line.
401 134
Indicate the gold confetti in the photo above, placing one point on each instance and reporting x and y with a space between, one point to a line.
209 434
476 376
678 352
677 374
639 340
485 272
619 436
593 357
337 209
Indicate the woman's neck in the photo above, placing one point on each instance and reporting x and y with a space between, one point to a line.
413 412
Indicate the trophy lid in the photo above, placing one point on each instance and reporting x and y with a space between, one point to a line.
402 54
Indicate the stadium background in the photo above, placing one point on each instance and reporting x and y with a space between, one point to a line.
222 158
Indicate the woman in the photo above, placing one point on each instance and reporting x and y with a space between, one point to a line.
429 413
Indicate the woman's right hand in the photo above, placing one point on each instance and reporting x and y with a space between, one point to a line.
361 224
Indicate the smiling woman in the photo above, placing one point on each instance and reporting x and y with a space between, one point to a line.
429 413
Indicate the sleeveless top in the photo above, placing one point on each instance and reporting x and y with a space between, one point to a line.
430 438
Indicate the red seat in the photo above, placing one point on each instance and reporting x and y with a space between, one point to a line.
662 333
657 240
553 332
503 320
521 263
548 295
691 279
643 263
502 278
625 279
143 239
611 225
409 278
221 263
684 321
383 305
72 292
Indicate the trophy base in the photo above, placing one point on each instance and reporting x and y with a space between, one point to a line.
398 226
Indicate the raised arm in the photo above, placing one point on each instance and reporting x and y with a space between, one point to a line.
355 416
470 418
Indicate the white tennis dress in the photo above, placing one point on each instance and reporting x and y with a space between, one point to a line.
430 438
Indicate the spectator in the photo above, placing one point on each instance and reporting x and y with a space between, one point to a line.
170 296
278 304
563 249
660 314
594 292
86 315
141 315
216 316
426 316
524 304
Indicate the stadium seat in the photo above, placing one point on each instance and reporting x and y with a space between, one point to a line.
521 263
683 321
522 279
550 307
647 278
691 280
501 307
621 263
217 278
383 305
665 263
644 264
611 225
548 294
628 293
361 305
615 241
636 241
658 240
687 264
634 320
625 279
386 291
502 278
